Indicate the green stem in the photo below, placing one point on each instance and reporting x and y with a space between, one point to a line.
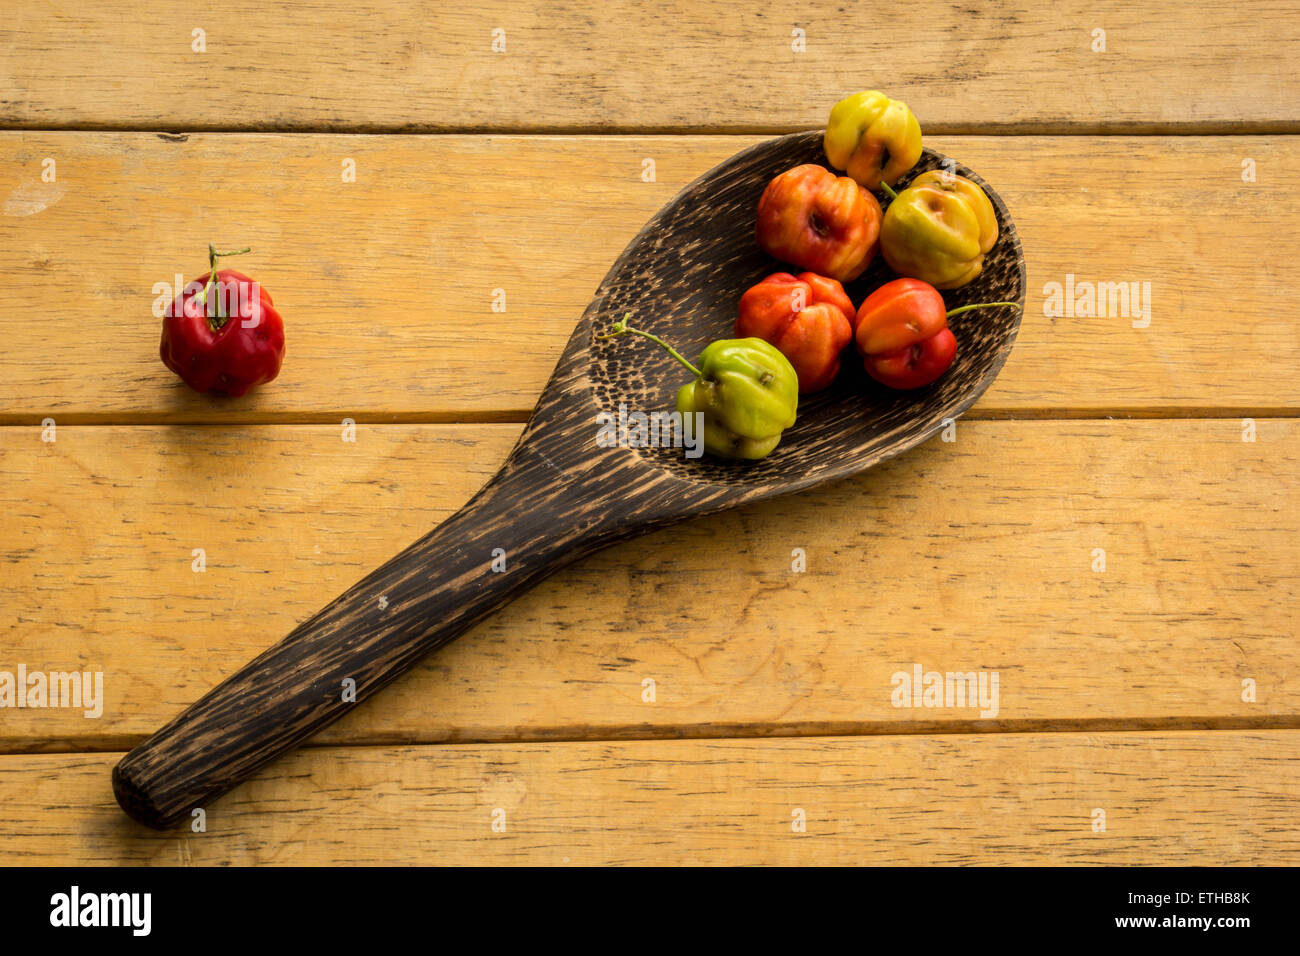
982 305
202 296
889 189
621 327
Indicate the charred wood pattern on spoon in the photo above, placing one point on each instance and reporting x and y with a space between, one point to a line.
559 496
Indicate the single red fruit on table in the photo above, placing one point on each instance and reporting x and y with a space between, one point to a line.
224 336
809 319
821 222
903 335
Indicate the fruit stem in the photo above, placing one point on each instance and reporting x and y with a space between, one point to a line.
621 327
889 189
202 296
982 305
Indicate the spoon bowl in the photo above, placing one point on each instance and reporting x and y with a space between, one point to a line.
562 493
682 277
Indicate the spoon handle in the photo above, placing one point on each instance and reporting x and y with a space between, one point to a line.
425 597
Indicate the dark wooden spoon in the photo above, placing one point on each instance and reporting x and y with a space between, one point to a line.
560 496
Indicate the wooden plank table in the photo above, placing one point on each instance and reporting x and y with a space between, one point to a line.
1114 529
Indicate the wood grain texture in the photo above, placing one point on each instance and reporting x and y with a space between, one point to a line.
972 554
677 64
386 284
1193 798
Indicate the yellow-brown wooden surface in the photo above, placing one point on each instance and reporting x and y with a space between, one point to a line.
1220 798
625 64
970 554
1114 529
387 284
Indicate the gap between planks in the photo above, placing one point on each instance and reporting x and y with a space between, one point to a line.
520 416
813 730
1206 128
